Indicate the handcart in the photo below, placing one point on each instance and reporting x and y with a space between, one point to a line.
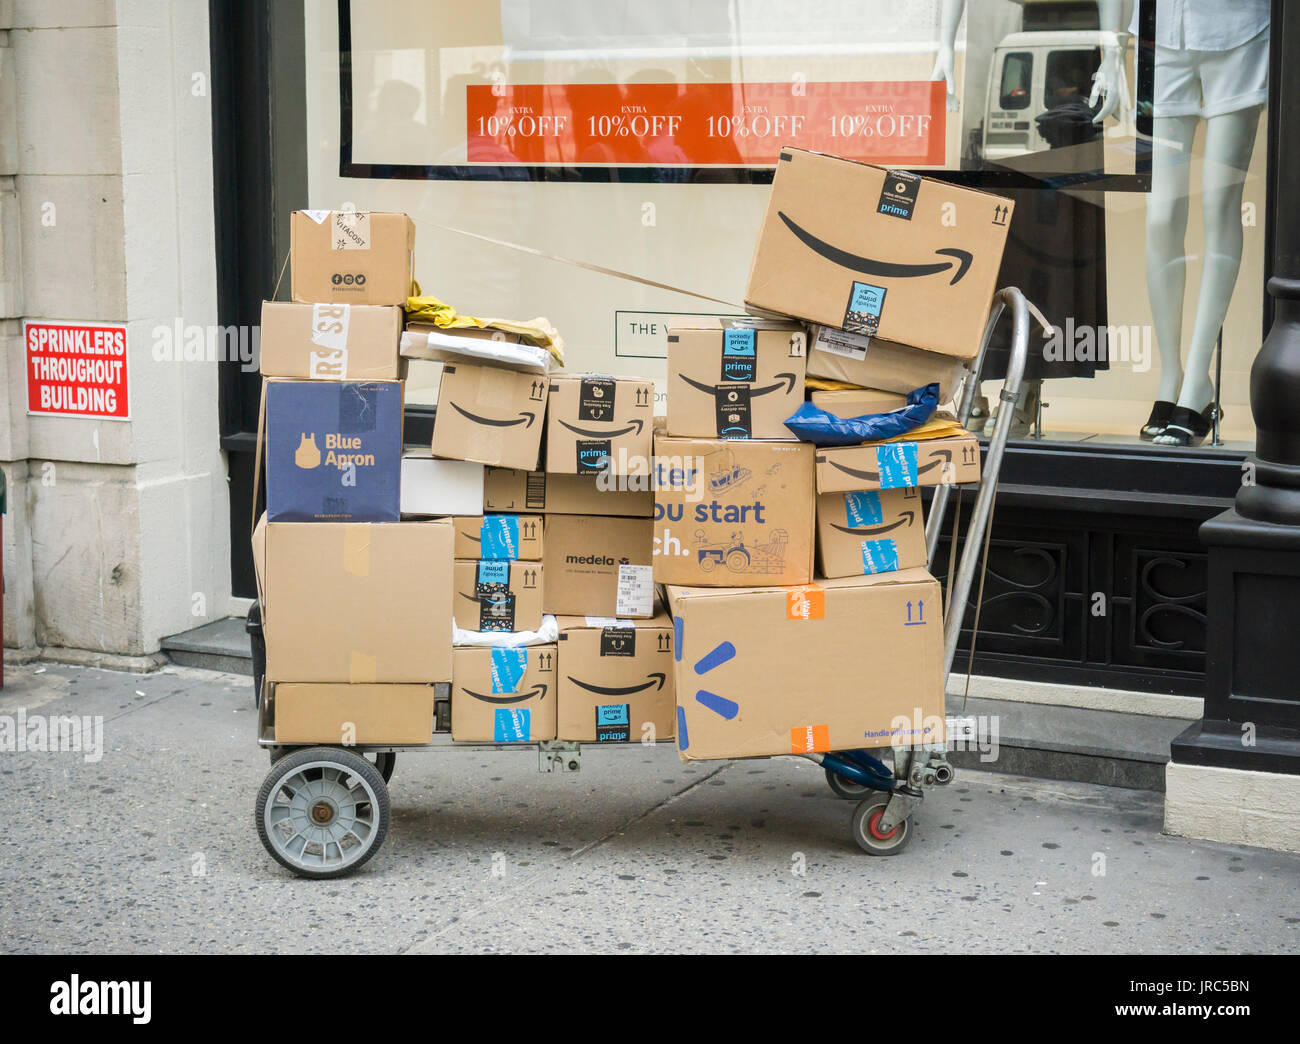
323 811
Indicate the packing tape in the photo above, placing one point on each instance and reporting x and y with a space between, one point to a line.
362 668
356 549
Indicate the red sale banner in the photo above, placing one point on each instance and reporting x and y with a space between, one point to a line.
76 369
895 123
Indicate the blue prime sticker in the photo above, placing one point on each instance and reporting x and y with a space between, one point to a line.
494 573
739 348
612 714
863 509
499 537
879 556
508 667
512 724
896 462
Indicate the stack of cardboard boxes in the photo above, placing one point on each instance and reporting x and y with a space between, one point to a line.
580 570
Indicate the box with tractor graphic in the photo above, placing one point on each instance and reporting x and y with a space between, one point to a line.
615 679
898 465
497 595
733 513
597 423
490 415
503 695
870 531
734 378
836 665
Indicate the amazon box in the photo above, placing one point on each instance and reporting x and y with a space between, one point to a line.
499 537
504 695
440 487
884 253
349 714
615 679
856 402
333 451
898 465
733 513
350 257
870 531
510 489
881 365
330 342
596 423
599 566
734 378
497 595
836 665
356 603
490 414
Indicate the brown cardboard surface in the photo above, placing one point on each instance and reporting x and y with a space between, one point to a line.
893 465
358 602
327 713
856 402
525 583
869 531
929 252
709 394
490 415
594 418
826 666
330 341
512 489
615 679
522 713
469 537
358 258
583 556
733 513
881 365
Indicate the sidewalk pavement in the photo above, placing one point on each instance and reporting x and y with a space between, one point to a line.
152 848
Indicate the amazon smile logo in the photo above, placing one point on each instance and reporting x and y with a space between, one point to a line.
656 679
905 519
959 260
635 425
942 459
525 418
710 389
538 691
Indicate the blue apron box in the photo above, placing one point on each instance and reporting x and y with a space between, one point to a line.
333 451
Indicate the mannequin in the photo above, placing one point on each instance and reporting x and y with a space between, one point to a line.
1211 64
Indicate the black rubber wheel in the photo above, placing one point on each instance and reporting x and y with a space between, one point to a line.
322 812
385 761
846 788
867 833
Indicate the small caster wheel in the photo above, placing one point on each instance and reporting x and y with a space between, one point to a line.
846 788
867 831
385 761
322 812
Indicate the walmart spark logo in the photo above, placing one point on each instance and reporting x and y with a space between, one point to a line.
721 653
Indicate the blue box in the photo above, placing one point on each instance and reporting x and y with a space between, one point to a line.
333 451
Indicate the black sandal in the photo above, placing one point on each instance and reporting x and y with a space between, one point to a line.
1161 412
1186 428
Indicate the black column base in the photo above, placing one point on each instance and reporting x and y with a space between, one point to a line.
1219 744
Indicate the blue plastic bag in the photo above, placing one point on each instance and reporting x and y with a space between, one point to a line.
813 424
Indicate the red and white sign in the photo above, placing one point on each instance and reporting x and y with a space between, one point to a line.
76 369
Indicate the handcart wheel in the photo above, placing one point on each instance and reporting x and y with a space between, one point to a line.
868 833
322 812
385 761
846 788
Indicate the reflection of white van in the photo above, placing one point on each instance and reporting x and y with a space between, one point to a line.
1033 73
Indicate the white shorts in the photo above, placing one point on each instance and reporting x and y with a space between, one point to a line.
1210 83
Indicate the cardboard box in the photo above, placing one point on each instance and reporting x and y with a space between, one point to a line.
734 378
838 665
433 487
333 451
326 713
490 415
856 402
504 695
356 602
870 531
331 342
897 465
596 423
498 596
881 365
731 514
881 252
359 257
510 489
496 537
599 566
615 680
